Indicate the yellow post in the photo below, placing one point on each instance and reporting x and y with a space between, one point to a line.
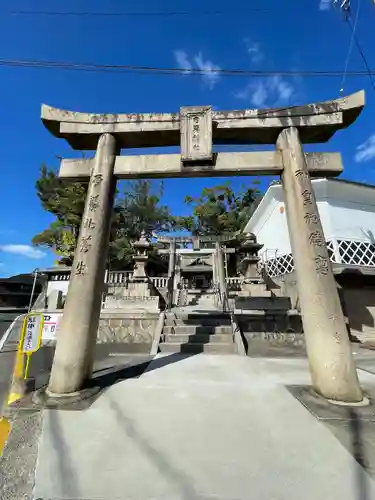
18 386
20 372
4 433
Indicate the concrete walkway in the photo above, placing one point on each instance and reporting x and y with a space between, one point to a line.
199 428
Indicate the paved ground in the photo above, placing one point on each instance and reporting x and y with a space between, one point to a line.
18 462
365 358
202 427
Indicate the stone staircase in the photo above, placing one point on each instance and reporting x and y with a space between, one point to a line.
202 299
194 333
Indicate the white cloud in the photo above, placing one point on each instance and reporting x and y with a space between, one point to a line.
211 75
267 92
366 151
325 4
259 96
209 70
23 250
281 88
253 48
182 60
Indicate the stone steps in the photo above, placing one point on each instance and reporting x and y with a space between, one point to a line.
194 333
197 329
199 338
262 303
196 348
216 318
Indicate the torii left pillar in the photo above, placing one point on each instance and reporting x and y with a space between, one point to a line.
73 359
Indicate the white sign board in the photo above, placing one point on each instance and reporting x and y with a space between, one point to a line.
32 333
51 322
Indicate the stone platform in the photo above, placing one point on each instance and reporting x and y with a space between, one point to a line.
198 428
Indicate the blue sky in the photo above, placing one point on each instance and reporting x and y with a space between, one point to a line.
289 35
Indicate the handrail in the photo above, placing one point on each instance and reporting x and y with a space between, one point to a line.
157 334
238 340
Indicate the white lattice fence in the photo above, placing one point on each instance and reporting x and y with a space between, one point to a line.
283 264
359 253
279 265
331 251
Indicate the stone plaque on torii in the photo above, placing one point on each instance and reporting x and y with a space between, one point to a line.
196 130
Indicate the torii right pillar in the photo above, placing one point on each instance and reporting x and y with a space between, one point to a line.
328 347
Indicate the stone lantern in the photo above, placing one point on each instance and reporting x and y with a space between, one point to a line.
142 247
249 263
252 283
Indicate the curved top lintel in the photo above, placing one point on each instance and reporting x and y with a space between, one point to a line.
66 124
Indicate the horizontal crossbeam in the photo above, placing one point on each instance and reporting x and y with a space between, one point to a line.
316 123
224 165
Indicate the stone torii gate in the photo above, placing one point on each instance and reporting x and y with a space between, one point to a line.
196 129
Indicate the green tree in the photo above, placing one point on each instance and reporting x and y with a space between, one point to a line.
137 209
65 200
220 210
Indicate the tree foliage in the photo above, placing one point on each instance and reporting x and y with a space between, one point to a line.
220 210
136 209
66 201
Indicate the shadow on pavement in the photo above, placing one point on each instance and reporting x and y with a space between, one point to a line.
359 453
115 375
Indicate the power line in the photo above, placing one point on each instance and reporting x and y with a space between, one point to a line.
345 6
362 54
120 68
346 17
138 14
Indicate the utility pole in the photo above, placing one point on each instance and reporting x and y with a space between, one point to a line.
344 6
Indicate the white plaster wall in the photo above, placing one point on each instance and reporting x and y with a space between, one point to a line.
347 211
271 229
57 285
352 221
325 217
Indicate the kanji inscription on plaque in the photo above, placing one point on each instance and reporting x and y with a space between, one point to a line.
196 133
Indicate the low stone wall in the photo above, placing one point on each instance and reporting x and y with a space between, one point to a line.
360 309
264 335
274 344
134 332
270 323
357 295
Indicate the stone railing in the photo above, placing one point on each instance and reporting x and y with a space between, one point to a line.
60 277
120 278
117 277
233 283
159 282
